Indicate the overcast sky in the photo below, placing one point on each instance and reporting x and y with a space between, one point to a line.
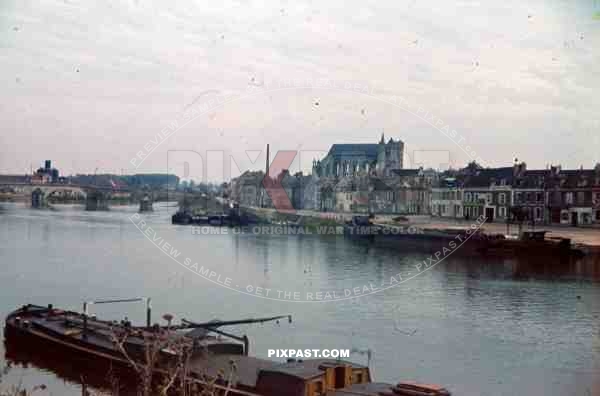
90 84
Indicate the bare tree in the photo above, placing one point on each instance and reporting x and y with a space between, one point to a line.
167 355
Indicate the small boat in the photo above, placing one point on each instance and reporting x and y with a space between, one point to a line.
362 227
181 218
531 243
218 219
210 352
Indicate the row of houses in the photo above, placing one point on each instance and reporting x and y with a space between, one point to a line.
548 196
406 191
514 193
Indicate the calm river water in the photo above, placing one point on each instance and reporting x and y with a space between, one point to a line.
479 327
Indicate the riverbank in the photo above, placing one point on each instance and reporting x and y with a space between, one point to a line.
587 237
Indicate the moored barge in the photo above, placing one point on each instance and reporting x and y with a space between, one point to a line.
212 353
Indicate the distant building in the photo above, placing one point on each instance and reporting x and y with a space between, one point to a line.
572 195
41 178
447 198
350 194
247 189
487 192
47 174
528 194
354 159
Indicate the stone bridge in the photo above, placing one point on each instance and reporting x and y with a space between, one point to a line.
96 197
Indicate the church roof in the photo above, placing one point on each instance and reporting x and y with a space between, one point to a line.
354 151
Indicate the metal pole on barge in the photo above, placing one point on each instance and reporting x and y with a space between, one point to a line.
246 344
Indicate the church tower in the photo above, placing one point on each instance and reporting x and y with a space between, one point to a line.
390 156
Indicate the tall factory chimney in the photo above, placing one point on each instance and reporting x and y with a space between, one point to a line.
267 166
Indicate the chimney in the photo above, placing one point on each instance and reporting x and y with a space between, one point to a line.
267 165
519 168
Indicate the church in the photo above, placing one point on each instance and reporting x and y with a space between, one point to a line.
357 178
377 159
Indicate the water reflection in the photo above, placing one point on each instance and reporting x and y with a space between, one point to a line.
455 324
82 373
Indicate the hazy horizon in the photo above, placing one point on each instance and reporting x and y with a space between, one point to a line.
90 85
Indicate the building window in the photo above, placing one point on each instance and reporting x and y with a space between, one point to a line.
538 214
488 198
518 197
586 218
569 198
501 211
580 197
502 199
538 197
468 197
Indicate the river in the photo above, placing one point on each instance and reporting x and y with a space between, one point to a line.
479 327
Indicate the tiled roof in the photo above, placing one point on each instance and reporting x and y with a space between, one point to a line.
485 177
573 178
531 179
